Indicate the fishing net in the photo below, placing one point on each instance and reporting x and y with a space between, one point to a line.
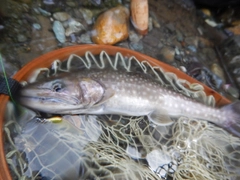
118 147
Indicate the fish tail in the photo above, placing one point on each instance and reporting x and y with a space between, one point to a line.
231 120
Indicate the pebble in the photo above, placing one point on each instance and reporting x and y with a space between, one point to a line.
179 36
87 15
216 69
170 27
73 38
61 16
70 3
136 46
21 38
1 27
211 23
235 60
150 24
44 12
74 27
134 37
140 15
235 29
191 41
168 53
48 2
192 48
160 45
59 31
183 69
206 13
111 26
231 90
155 23
85 38
36 26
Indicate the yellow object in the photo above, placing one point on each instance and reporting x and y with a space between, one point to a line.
55 119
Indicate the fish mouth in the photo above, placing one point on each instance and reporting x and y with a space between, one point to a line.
46 100
48 104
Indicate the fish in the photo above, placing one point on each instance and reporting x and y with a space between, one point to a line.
124 93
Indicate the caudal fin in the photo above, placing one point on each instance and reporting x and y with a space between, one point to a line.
232 120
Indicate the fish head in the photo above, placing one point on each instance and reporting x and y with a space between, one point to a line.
61 95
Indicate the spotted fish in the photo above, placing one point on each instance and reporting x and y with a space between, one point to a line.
124 93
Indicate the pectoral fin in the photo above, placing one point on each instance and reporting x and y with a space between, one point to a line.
160 117
109 93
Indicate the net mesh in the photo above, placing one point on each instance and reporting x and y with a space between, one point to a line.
118 147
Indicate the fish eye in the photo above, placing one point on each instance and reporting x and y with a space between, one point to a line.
57 87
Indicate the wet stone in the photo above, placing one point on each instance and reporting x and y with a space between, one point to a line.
61 16
87 15
232 91
216 69
36 26
168 53
134 37
21 38
85 38
150 24
152 39
59 31
170 27
70 3
191 41
137 46
111 27
179 36
192 48
44 12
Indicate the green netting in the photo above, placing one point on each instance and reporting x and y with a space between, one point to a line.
119 147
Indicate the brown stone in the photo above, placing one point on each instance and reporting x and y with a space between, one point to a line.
235 29
111 26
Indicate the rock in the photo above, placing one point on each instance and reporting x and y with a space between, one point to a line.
183 69
87 15
71 3
111 26
216 69
85 38
44 12
191 41
136 46
74 27
202 42
206 13
48 2
168 54
21 38
139 15
211 23
235 30
155 23
61 16
179 36
170 27
59 31
192 48
134 37
150 24
36 26
232 91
